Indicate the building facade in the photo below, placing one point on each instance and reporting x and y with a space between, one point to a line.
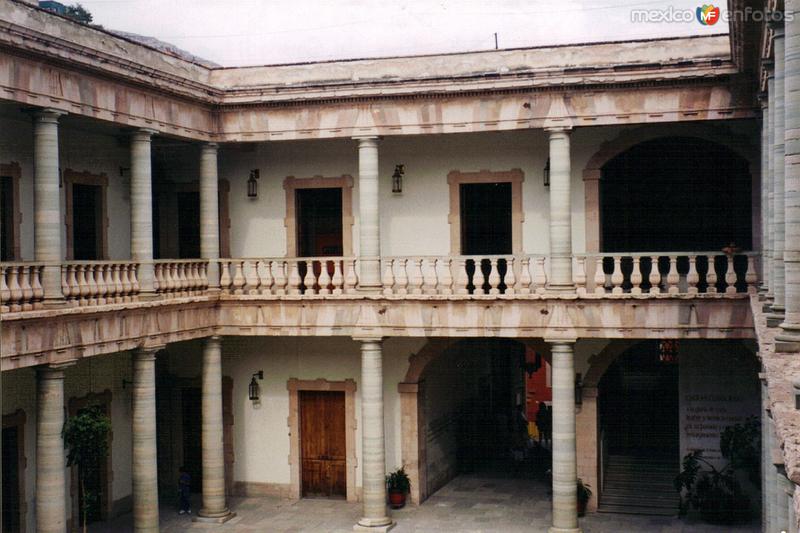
290 280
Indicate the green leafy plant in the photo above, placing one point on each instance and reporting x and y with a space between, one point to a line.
86 439
717 492
398 481
584 492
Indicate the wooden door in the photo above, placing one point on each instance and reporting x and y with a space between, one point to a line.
322 444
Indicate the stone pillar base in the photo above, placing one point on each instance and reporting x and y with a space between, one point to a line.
774 320
213 519
378 528
767 307
788 341
563 530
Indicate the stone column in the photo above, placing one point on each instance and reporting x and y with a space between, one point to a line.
765 187
771 192
142 209
51 495
782 487
144 468
214 507
789 339
778 274
565 467
766 456
560 212
209 212
373 462
369 217
47 203
772 476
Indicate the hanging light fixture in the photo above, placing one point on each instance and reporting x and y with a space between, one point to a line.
252 184
546 173
397 179
254 388
668 351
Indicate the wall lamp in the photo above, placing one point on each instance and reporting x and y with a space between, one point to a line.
546 173
397 178
252 183
254 388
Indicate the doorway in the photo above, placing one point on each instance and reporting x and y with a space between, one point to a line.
13 472
189 225
86 220
319 222
486 228
191 415
323 444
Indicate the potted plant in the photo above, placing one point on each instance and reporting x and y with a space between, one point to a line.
398 485
584 493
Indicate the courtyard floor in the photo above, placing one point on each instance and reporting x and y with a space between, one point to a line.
468 504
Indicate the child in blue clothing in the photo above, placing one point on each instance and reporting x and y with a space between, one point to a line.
184 491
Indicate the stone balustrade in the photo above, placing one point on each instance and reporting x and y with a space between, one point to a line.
86 283
665 273
92 283
20 286
178 278
289 276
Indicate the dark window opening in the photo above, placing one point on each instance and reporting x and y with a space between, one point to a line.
7 219
86 222
11 495
485 228
319 222
189 225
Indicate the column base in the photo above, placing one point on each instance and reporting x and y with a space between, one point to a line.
789 340
214 518
554 529
148 296
54 303
383 528
774 319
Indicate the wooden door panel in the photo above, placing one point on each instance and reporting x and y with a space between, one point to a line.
322 443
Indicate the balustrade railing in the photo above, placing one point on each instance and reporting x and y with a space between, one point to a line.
304 276
176 278
86 283
20 286
670 273
464 275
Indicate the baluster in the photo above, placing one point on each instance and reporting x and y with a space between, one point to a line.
693 277
324 278
672 276
5 294
338 280
252 277
294 278
66 291
478 279
168 284
102 285
636 276
350 278
179 276
238 277
401 282
494 277
36 281
430 279
158 277
462 279
197 277
388 277
116 282
446 279
280 277
599 276
580 276
125 283
225 276
415 279
267 280
540 276
309 280
655 276
525 276
15 291
751 277
91 280
133 276
711 276
616 276
730 277
26 288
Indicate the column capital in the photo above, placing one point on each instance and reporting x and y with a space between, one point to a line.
561 342
210 146
367 139
54 370
143 134
144 353
554 130
366 339
46 114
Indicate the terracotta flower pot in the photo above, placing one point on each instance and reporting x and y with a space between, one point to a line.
397 499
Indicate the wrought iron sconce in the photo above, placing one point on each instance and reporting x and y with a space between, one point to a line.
546 173
254 389
397 179
252 183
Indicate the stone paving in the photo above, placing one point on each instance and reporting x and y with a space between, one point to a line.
469 504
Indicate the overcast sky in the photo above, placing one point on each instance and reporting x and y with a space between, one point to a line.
255 32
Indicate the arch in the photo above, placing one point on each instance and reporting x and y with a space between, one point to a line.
592 172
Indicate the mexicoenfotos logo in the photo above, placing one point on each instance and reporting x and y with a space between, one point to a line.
708 15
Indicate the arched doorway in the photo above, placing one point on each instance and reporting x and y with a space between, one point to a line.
678 193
